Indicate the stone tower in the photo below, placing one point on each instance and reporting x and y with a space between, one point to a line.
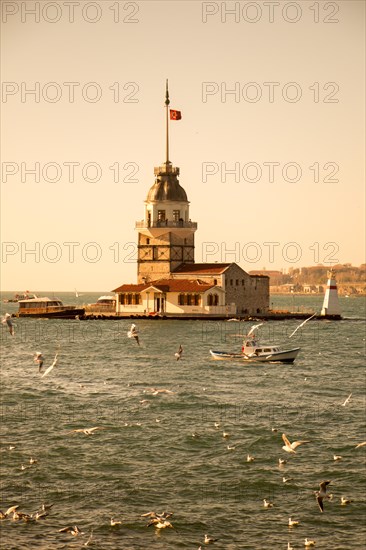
166 234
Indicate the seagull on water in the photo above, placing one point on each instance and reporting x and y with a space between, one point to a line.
286 479
347 400
9 511
292 522
7 321
178 355
282 461
345 501
114 522
322 494
309 543
267 503
289 547
250 458
209 540
73 530
134 333
337 458
290 447
47 371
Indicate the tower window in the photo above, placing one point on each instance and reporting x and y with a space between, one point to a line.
237 282
231 282
147 241
161 215
176 215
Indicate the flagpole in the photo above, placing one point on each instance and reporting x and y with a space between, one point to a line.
167 122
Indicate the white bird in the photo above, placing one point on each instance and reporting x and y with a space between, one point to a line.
267 503
282 461
47 371
292 522
114 522
74 530
301 325
322 494
360 445
347 400
7 320
253 328
86 431
250 458
309 543
345 501
217 425
290 447
209 540
134 333
286 479
178 355
38 358
225 435
337 458
231 447
289 547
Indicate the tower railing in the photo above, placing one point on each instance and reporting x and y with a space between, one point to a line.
166 223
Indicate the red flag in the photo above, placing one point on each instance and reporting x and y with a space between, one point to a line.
175 115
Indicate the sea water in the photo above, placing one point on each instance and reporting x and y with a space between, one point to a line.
161 451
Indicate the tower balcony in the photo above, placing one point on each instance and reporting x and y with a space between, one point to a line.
144 224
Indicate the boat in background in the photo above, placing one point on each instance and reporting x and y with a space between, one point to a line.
25 296
253 351
47 307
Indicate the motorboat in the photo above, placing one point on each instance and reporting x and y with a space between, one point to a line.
47 307
254 351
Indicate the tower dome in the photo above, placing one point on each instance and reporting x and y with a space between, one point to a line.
166 187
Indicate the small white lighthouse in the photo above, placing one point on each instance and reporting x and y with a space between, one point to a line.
331 302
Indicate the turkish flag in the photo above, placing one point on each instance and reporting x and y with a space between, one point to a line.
175 115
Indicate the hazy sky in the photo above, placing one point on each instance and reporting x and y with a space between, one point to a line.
270 146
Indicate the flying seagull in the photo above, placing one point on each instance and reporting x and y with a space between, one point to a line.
347 400
322 494
254 327
86 431
38 358
302 324
290 447
134 333
47 371
178 355
7 320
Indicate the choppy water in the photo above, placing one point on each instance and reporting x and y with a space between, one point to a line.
147 457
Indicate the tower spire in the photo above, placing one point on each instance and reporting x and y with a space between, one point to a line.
167 102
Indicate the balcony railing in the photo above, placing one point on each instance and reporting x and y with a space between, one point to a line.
166 223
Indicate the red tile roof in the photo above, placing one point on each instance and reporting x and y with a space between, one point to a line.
206 268
168 285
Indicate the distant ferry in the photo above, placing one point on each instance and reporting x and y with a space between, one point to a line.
46 307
